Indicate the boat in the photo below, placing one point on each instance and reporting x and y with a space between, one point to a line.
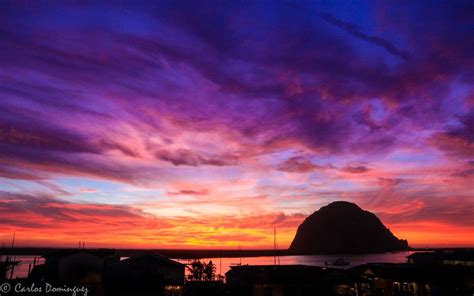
340 262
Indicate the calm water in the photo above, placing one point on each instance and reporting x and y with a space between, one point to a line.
21 270
223 264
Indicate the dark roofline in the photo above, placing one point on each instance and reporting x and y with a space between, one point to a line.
276 266
156 255
68 252
294 274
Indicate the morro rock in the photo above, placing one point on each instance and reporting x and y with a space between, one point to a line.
344 228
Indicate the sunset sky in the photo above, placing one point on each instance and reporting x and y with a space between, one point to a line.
207 124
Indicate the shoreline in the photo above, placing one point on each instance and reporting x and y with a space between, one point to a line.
192 254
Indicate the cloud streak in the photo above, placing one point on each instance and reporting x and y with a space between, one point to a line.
187 113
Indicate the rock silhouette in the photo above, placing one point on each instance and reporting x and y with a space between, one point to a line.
344 228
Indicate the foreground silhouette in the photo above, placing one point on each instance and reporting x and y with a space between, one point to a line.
101 273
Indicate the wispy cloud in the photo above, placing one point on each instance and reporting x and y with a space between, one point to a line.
202 112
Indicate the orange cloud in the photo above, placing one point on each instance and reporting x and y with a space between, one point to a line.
43 220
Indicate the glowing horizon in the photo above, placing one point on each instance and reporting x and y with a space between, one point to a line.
192 125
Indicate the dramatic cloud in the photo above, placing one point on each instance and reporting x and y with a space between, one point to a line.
355 169
389 182
161 116
352 29
45 216
189 192
186 157
458 141
298 164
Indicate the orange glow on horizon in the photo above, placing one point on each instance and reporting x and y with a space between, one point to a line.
193 233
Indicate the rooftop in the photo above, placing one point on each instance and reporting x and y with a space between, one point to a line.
151 256
284 273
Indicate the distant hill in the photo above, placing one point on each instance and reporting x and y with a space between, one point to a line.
344 228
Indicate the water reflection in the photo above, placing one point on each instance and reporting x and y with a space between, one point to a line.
223 264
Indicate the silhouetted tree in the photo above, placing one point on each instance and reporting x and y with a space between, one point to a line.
209 271
196 270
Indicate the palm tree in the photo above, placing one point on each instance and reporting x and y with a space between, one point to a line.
209 271
196 270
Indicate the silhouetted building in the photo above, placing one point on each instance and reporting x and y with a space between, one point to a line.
74 266
457 257
287 280
413 280
145 274
207 288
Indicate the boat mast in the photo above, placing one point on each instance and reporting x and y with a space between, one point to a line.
14 257
274 246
